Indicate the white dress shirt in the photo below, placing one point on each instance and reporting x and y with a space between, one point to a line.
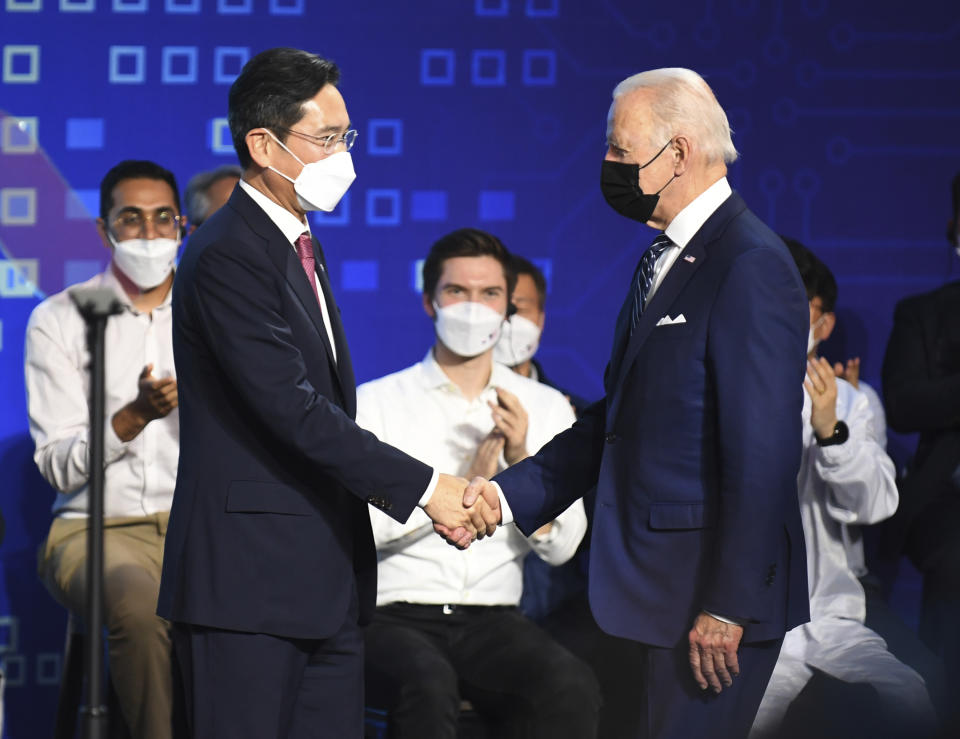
422 412
685 224
292 227
139 475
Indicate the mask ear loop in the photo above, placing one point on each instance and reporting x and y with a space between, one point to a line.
282 146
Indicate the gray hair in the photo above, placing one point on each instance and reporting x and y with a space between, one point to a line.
196 197
684 103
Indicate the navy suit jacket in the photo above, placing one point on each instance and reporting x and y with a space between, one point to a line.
269 530
695 449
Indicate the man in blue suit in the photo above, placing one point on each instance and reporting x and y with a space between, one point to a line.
697 552
270 566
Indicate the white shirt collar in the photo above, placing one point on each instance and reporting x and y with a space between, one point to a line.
287 222
109 279
434 376
689 220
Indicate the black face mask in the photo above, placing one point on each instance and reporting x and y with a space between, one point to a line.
619 184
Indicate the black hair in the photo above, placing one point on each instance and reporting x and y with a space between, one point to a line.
816 275
466 242
523 266
271 90
196 195
134 169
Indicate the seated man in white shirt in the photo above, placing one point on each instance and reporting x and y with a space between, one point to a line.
447 625
845 479
140 224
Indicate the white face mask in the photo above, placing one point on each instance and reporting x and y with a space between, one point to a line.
468 329
519 340
147 262
321 185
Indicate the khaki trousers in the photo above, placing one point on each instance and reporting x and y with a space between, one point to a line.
138 640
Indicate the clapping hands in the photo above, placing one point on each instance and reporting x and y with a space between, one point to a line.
462 511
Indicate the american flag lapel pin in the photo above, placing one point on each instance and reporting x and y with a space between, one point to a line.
690 258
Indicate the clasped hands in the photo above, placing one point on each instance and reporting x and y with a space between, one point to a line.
463 511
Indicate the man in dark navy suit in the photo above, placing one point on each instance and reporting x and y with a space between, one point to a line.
697 552
270 566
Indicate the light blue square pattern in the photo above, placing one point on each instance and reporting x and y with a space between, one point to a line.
286 7
81 205
496 205
539 67
385 137
428 205
436 66
235 7
84 133
128 65
383 207
227 63
129 6
360 275
218 136
179 65
182 6
543 8
489 68
77 6
491 8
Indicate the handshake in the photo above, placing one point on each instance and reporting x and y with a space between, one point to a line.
462 511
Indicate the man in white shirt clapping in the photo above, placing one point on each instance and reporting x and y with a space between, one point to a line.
140 223
447 625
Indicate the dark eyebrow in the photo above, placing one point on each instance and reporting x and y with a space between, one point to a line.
135 209
332 129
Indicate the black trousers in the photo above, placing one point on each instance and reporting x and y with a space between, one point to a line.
421 660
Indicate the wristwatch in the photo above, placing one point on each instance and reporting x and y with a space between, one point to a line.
839 435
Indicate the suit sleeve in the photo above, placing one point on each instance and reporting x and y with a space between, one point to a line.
916 399
756 352
236 296
541 486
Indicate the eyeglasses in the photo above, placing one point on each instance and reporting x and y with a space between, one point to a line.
131 222
329 143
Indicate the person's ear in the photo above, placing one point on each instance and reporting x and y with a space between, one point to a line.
259 143
680 148
428 307
826 328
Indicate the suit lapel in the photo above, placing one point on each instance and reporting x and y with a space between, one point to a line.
344 366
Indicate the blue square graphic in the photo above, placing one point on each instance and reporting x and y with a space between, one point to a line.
385 137
340 216
539 67
80 270
179 65
129 6
436 66
84 133
128 65
235 7
428 205
218 136
286 7
543 8
489 68
182 6
360 275
81 205
383 207
24 6
416 275
18 207
491 8
227 63
546 266
21 64
496 205
76 6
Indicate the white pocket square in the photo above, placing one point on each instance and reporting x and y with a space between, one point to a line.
668 321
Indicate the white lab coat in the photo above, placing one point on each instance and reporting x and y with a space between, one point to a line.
838 486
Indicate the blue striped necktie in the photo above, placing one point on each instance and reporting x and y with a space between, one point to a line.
644 278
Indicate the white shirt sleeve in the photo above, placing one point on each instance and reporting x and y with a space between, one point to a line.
57 405
859 474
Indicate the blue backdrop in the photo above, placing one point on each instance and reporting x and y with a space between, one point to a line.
488 113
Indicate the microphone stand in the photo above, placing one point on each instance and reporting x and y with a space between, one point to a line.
96 305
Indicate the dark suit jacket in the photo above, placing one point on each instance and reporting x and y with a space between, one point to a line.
269 530
695 449
921 391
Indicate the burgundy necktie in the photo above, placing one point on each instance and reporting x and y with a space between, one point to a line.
304 246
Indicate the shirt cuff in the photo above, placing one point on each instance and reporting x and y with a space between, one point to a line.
431 487
506 515
724 619
113 446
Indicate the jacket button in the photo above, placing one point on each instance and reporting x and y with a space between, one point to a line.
610 438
